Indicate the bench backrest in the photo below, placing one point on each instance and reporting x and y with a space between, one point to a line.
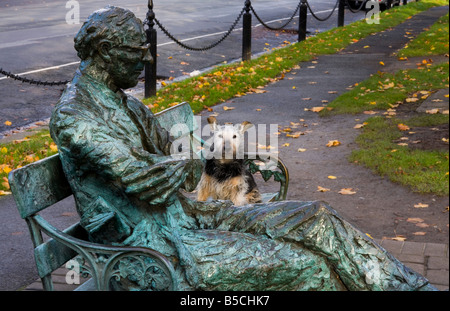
39 185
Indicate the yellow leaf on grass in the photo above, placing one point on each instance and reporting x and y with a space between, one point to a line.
5 183
333 143
6 169
4 150
53 147
403 127
347 191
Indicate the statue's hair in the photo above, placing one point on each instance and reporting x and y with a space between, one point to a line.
102 25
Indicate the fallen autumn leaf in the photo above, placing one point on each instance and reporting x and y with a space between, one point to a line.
347 191
322 189
333 143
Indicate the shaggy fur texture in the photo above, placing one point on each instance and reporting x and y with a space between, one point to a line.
223 178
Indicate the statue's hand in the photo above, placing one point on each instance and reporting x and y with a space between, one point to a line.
158 182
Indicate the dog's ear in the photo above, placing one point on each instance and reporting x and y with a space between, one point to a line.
213 122
245 126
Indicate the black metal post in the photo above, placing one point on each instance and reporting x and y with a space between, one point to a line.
247 33
150 68
389 4
302 21
341 13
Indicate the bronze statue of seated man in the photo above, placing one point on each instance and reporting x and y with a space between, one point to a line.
127 190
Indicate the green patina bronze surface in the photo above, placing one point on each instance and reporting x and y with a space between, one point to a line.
116 157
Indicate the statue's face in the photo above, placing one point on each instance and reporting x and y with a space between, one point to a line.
128 60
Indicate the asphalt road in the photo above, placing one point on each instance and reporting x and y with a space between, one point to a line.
36 42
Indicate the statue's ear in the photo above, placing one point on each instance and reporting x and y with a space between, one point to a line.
103 50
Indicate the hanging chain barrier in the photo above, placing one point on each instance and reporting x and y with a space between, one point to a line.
363 3
326 18
275 28
201 49
31 81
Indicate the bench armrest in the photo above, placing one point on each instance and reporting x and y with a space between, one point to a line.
269 165
147 268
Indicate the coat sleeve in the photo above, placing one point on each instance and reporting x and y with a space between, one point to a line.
90 143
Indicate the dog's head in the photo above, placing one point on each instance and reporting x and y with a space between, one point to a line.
228 139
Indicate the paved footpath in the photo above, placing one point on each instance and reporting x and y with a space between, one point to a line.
352 65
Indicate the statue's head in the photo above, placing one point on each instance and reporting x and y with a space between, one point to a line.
114 38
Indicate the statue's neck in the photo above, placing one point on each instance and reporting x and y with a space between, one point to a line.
97 71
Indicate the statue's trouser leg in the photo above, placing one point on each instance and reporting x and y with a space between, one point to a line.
358 260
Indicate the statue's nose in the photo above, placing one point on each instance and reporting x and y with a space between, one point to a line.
148 57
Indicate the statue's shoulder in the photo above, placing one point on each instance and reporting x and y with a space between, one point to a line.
73 106
75 93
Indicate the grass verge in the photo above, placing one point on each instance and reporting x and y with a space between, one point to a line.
431 42
383 91
422 171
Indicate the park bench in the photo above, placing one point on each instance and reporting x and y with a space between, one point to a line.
42 184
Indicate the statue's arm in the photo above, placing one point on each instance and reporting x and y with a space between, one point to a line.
151 177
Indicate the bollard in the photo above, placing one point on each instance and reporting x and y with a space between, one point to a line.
150 69
341 12
302 21
247 33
